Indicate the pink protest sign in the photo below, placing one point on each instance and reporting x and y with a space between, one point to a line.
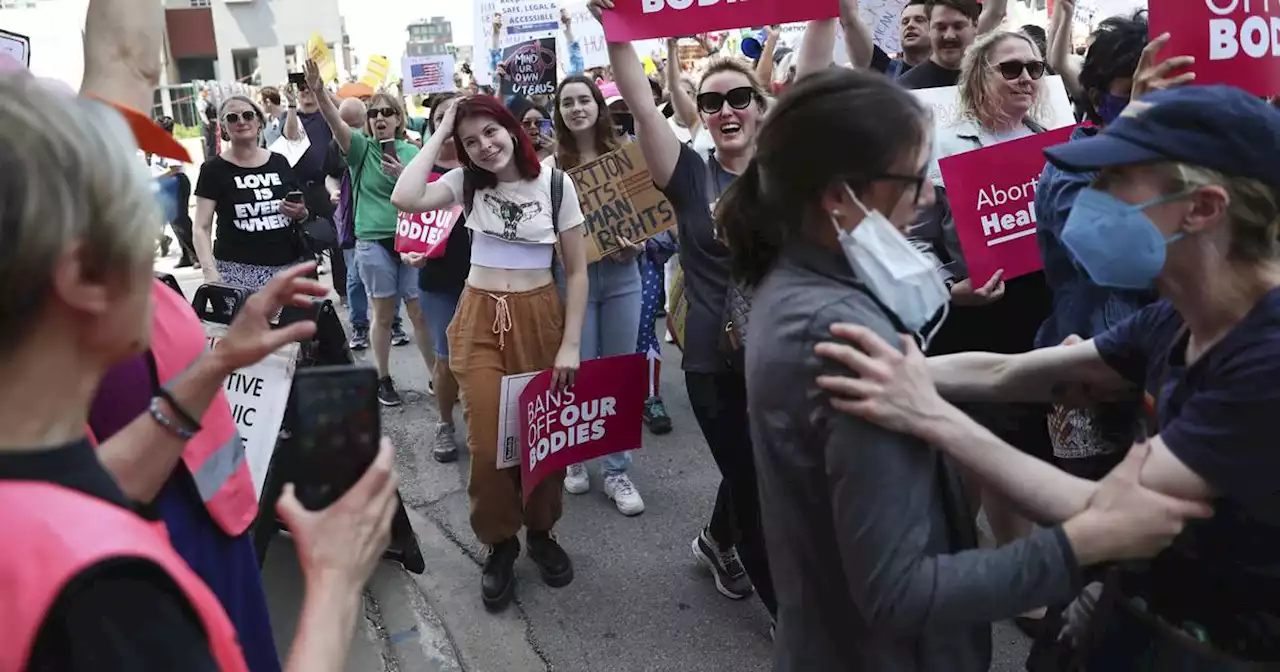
992 192
644 19
1235 42
426 232
600 414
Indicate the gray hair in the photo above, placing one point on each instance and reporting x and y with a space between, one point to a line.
70 173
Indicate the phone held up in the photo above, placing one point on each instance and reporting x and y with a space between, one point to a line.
299 80
338 431
545 128
389 149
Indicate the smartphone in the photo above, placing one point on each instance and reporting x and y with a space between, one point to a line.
294 196
298 79
337 430
545 127
389 149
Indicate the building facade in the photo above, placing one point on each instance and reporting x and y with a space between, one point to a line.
429 37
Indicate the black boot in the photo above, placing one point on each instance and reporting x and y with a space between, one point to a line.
553 563
497 580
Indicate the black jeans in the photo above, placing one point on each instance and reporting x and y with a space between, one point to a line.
719 402
181 224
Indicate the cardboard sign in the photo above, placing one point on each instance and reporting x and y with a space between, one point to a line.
258 396
619 200
599 415
640 19
992 192
1235 42
531 68
427 74
16 45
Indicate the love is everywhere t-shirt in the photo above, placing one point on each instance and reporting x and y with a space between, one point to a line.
371 188
251 229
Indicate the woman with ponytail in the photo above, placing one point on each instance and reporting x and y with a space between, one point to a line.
731 105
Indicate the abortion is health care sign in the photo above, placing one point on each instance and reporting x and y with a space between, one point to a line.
1235 42
992 192
642 19
598 415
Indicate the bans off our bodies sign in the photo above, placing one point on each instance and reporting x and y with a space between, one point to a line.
618 199
642 19
992 192
1235 42
599 415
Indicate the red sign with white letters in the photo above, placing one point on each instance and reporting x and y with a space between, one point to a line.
644 19
599 415
992 192
426 232
1235 42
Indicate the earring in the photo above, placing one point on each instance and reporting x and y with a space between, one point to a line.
836 214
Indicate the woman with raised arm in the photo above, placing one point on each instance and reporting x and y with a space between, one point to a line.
585 132
1187 202
731 104
510 318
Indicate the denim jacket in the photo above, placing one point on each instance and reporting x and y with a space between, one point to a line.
1080 307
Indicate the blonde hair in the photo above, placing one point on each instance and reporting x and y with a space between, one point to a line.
69 172
979 95
1253 210
730 64
391 101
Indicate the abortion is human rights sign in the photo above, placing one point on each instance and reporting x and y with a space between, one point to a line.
643 19
598 415
992 192
1235 42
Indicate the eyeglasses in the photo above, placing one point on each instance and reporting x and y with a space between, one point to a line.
1013 69
912 181
712 102
386 112
234 118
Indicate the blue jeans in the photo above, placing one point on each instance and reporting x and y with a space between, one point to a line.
357 297
610 325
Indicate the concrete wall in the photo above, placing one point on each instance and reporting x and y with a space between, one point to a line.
57 43
268 26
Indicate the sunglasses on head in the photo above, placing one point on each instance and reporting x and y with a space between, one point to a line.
386 112
1013 69
740 98
235 118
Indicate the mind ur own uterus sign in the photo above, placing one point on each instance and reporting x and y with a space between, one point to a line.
992 194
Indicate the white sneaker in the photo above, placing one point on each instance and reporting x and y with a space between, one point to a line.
576 481
623 492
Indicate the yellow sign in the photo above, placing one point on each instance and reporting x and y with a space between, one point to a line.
375 72
318 51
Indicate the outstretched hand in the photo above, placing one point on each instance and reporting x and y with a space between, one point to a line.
251 336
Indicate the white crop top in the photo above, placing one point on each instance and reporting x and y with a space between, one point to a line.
494 252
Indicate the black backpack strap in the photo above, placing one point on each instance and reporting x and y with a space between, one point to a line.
557 195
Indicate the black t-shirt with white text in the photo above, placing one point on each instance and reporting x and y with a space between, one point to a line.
929 75
250 227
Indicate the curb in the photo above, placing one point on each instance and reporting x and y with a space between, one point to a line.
416 637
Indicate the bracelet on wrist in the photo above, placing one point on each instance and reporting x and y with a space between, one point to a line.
186 417
168 423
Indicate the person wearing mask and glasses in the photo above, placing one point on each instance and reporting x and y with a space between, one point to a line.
871 538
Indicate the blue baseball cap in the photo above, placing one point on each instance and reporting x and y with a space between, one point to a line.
1217 127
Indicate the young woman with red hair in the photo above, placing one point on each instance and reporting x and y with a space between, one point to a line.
510 319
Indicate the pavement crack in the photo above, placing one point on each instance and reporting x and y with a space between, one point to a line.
373 615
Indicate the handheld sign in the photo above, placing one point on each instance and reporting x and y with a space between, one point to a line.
427 74
16 45
641 19
531 68
599 415
618 199
1235 42
426 233
992 192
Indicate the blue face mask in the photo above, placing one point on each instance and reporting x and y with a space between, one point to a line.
1115 242
1111 106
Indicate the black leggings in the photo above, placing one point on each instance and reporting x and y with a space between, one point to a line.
719 402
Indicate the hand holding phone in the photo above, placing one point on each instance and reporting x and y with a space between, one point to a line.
545 128
299 80
294 196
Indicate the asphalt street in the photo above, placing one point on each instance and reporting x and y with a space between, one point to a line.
639 602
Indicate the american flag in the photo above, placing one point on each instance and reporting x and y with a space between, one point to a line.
422 75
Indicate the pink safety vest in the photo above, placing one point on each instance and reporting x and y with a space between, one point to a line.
215 457
59 533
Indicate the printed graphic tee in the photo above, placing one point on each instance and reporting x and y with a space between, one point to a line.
518 212
250 227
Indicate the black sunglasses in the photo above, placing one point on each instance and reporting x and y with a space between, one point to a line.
1013 69
234 118
386 112
712 102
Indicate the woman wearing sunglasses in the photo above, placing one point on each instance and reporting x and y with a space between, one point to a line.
731 105
1000 91
586 131
248 188
375 157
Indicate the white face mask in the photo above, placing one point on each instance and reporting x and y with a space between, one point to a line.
895 271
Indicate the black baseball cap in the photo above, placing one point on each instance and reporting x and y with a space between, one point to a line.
1217 127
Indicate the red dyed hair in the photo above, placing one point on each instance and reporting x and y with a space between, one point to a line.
524 155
